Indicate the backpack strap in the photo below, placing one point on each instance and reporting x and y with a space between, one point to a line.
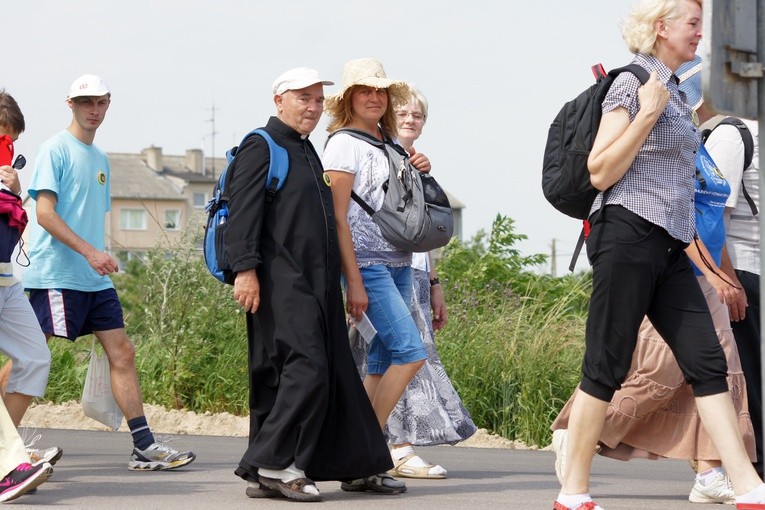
748 140
278 165
746 137
386 145
640 72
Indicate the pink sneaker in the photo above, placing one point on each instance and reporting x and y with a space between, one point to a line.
23 479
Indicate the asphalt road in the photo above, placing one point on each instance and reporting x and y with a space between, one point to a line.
93 474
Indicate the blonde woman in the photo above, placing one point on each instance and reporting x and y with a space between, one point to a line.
644 155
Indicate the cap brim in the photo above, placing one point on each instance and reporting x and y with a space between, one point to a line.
90 94
305 84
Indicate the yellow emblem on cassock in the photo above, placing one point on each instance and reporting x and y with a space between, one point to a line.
327 180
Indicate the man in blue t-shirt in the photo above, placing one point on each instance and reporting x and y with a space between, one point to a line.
68 277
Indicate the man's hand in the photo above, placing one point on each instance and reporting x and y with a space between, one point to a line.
247 290
102 262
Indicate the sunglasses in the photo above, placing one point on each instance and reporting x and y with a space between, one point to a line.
20 162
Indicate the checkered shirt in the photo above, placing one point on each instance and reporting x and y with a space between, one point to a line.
659 185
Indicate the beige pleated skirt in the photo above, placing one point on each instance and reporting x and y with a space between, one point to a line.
654 414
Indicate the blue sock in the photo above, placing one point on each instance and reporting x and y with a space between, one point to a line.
142 436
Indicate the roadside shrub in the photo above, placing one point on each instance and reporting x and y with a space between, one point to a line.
512 345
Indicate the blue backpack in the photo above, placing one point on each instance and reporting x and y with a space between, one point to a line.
216 257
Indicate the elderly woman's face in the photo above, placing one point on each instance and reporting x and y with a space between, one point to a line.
409 121
369 104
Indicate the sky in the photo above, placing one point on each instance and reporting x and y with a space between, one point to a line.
495 73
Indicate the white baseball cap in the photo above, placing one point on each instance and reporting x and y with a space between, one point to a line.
88 85
298 78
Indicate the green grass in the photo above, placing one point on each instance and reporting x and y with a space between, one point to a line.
512 346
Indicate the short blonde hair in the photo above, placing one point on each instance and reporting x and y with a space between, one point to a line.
638 27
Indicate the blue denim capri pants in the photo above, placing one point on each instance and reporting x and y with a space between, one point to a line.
398 340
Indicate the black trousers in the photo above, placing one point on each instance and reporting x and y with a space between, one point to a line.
747 334
639 270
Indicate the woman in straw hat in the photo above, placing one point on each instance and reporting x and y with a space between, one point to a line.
378 275
654 413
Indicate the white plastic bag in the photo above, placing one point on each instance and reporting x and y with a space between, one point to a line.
97 397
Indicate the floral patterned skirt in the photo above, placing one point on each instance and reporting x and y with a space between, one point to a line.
430 412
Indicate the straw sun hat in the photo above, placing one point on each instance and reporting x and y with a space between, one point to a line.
369 72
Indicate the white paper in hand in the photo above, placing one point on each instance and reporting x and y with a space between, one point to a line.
365 328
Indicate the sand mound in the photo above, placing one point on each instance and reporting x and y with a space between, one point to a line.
164 421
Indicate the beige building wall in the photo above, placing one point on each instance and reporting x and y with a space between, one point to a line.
135 226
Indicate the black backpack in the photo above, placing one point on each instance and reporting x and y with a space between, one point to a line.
565 176
746 137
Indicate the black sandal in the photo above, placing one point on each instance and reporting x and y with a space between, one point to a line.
374 483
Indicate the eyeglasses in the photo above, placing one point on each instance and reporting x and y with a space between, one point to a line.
416 116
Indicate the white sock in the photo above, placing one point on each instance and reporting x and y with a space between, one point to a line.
401 452
706 476
573 500
416 461
756 496
285 475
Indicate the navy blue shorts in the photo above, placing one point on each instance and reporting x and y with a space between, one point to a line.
72 313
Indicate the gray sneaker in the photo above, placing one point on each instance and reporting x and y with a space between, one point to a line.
159 456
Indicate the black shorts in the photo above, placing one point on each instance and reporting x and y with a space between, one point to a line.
640 270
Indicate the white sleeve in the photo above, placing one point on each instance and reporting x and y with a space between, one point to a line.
341 154
727 150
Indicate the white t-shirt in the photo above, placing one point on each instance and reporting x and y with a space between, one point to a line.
371 168
743 231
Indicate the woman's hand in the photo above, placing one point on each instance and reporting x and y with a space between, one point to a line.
418 160
653 96
356 300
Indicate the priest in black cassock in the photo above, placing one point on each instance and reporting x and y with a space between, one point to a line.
310 418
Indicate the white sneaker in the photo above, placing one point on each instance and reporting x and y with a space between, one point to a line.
559 445
717 490
50 455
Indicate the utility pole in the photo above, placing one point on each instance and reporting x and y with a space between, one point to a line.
554 260
212 137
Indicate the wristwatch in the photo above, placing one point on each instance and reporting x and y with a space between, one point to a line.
434 281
